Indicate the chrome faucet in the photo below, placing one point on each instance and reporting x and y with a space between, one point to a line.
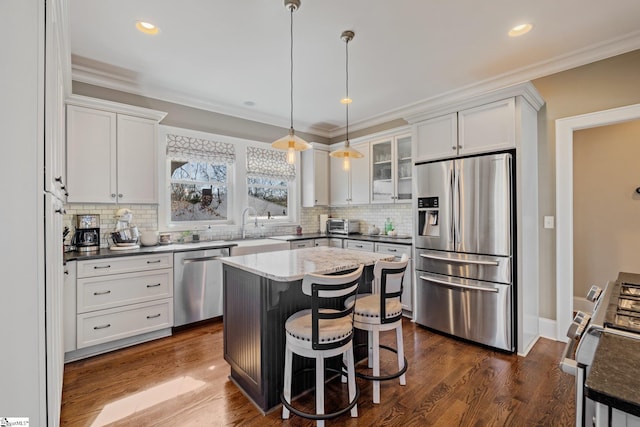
248 208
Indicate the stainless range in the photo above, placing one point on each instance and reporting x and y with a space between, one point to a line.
616 312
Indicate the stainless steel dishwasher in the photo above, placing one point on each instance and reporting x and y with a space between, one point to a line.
197 279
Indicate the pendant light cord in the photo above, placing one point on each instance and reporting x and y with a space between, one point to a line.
346 47
291 8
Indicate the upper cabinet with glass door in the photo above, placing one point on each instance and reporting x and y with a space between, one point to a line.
391 169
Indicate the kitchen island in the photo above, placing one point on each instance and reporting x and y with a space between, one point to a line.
260 292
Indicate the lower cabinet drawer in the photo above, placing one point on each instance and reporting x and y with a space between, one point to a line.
358 245
108 325
98 293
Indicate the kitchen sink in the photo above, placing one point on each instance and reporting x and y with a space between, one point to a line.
254 246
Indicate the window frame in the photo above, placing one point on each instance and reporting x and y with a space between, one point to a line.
237 186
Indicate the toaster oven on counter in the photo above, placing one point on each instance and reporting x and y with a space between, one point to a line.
343 226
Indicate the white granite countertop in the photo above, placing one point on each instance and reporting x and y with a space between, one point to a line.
291 265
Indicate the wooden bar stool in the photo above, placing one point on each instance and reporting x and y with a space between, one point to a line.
382 311
322 332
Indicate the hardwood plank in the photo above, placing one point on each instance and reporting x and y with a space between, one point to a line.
183 380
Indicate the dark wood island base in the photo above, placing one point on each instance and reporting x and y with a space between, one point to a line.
255 311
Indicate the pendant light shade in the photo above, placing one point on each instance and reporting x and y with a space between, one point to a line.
291 142
347 153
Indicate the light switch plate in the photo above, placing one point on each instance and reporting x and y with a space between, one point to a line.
548 222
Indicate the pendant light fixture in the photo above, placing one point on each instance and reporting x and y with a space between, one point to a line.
347 153
291 142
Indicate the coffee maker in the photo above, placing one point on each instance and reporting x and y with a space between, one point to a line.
87 235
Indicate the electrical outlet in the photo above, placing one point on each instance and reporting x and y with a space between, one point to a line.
548 222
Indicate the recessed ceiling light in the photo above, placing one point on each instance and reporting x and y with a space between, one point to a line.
146 27
519 30
346 101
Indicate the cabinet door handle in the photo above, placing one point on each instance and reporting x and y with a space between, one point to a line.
108 325
153 316
96 267
453 147
120 195
158 261
153 286
113 195
102 293
61 211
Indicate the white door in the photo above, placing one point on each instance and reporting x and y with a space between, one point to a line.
436 138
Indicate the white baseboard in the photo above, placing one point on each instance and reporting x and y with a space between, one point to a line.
548 328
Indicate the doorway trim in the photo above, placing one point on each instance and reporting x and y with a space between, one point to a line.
564 202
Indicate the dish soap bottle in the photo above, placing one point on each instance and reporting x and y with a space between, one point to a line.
388 226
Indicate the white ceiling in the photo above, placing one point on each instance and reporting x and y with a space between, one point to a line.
220 54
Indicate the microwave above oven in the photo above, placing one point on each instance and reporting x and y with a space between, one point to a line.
343 226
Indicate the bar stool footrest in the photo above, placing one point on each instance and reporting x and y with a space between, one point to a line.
321 416
382 377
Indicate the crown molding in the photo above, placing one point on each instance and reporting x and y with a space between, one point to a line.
502 84
112 79
116 107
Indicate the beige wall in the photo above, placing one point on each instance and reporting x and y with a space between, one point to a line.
193 118
602 85
606 207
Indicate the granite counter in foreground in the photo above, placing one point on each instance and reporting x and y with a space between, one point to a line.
286 266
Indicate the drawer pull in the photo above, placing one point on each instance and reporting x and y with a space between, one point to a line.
102 293
154 262
108 325
153 316
358 246
392 250
153 286
96 267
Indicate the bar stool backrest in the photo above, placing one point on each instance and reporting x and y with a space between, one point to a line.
388 277
324 290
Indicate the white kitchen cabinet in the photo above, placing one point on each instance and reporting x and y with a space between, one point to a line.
350 187
299 244
119 301
489 127
391 169
482 129
436 138
111 154
407 282
69 306
321 242
358 245
309 243
335 243
315 177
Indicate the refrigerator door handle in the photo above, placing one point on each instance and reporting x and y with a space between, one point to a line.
461 261
457 195
458 285
452 227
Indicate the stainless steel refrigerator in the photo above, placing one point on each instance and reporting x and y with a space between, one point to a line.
464 244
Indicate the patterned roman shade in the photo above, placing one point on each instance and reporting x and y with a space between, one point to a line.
200 150
267 163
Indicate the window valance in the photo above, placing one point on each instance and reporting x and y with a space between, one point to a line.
202 150
267 163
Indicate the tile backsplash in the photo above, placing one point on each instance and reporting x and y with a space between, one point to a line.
145 217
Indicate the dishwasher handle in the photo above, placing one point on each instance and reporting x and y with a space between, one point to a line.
201 259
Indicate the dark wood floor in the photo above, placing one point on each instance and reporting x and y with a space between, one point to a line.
183 381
